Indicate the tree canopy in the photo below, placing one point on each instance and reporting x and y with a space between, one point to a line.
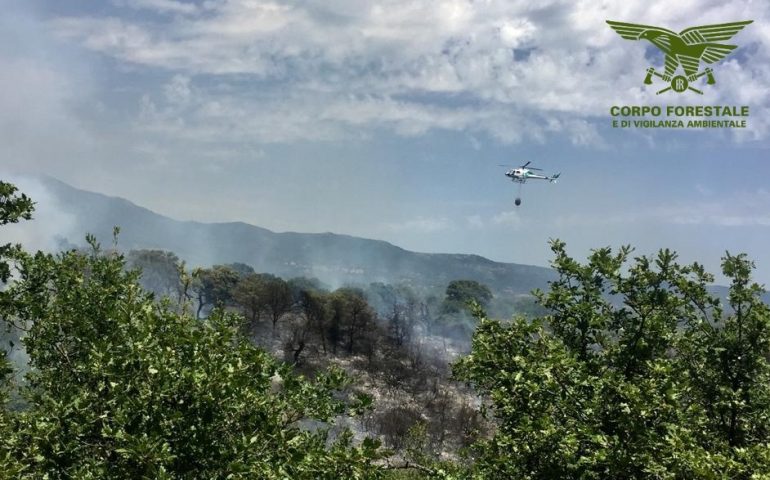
14 206
460 292
122 386
637 372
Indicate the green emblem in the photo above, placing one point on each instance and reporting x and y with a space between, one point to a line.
686 48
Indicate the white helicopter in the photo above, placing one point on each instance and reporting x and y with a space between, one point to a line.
521 174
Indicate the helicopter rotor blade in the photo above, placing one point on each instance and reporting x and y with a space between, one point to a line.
526 165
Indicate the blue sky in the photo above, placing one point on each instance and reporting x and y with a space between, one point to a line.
387 119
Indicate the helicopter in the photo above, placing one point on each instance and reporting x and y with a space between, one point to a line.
523 173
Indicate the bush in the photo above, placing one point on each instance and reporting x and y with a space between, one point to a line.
123 387
631 375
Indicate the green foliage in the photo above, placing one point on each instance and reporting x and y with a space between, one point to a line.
258 293
636 373
249 295
460 292
124 387
214 286
632 370
13 207
240 268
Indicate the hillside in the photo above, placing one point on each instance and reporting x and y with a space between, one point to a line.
333 258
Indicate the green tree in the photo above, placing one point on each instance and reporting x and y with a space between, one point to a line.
635 373
240 268
460 292
727 362
124 387
249 294
214 286
14 206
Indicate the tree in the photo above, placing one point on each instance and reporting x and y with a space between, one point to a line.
398 305
314 306
635 373
304 284
278 299
349 318
258 293
249 294
161 272
123 387
14 206
728 364
460 292
240 268
214 286
360 318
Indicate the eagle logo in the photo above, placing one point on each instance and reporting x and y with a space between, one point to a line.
686 48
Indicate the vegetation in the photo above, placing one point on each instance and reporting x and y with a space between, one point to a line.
636 375
124 387
138 368
14 206
460 292
161 272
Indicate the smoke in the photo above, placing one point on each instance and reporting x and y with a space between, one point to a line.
46 231
51 226
51 229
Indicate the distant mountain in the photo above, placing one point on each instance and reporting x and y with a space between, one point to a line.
334 259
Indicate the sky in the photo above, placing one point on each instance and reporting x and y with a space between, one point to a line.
388 119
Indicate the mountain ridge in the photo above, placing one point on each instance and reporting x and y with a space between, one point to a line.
334 258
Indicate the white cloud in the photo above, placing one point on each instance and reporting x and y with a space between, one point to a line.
404 65
161 6
516 33
506 68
